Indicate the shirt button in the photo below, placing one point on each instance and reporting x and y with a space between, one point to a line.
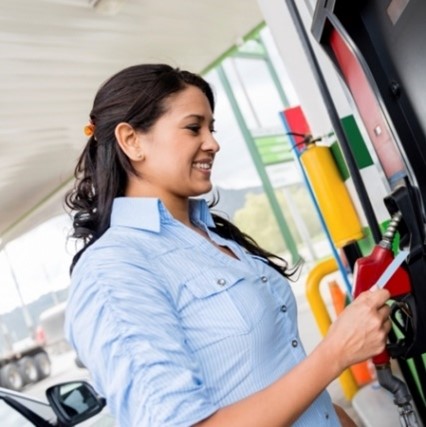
264 279
221 282
327 416
294 343
283 308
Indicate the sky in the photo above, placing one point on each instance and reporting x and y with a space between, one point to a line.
38 262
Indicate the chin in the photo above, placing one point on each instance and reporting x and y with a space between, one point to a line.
201 191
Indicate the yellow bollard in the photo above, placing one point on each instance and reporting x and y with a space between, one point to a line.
322 317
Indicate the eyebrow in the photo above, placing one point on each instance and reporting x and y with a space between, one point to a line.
199 117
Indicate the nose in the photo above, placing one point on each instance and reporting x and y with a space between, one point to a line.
210 144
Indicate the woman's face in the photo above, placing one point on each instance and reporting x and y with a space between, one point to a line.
179 149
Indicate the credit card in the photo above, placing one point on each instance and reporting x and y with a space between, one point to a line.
390 269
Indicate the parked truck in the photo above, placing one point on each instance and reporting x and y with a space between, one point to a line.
23 362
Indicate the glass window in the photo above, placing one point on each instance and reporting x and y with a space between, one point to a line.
278 64
233 167
262 95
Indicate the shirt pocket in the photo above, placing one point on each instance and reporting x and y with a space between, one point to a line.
217 305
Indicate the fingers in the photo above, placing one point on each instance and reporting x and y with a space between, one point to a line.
384 311
377 301
387 326
362 329
376 297
384 314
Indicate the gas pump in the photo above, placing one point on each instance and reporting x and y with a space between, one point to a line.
404 235
409 339
408 294
376 47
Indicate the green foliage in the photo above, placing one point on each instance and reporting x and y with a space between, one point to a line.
257 220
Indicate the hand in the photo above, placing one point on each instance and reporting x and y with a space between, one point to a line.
361 330
344 418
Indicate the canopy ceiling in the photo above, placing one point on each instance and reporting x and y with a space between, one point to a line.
55 54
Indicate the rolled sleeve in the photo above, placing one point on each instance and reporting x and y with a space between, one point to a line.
124 328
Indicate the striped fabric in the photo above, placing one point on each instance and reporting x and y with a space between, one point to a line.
171 328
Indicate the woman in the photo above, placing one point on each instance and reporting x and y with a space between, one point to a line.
182 319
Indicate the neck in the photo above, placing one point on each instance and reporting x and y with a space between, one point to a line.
179 210
177 206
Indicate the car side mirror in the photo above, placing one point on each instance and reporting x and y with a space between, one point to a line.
74 402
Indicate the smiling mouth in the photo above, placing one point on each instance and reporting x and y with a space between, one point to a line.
205 166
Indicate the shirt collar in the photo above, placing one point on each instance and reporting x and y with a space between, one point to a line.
149 213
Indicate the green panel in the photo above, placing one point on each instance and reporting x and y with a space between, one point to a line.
415 375
274 149
359 149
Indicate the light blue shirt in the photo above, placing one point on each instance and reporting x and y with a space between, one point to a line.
171 328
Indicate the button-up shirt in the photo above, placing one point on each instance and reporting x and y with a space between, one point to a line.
172 328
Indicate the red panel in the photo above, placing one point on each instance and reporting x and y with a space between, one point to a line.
368 106
296 122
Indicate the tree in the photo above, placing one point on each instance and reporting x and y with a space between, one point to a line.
257 220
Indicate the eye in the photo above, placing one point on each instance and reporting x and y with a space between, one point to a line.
194 128
212 130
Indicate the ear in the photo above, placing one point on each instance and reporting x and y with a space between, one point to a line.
129 141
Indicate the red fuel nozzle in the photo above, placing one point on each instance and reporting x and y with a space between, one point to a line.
366 273
369 268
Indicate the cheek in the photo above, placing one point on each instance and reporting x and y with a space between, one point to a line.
172 169
168 162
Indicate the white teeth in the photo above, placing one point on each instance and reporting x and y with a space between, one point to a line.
203 165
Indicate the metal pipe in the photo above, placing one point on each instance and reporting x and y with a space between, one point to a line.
402 397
